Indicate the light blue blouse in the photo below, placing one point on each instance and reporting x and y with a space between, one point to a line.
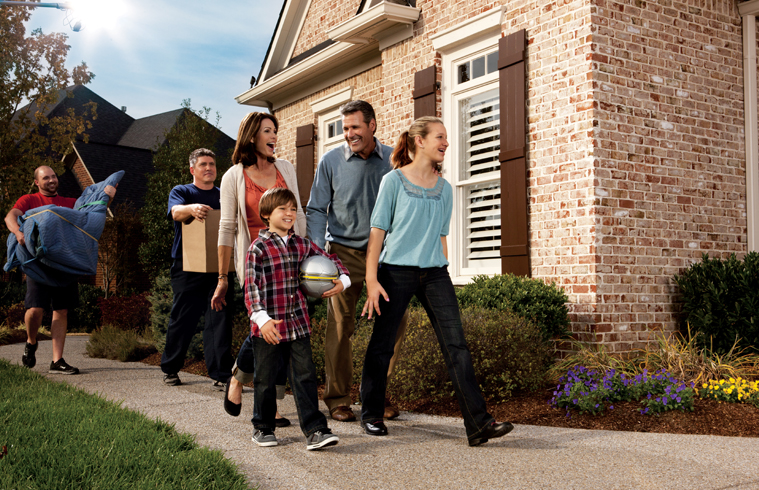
414 218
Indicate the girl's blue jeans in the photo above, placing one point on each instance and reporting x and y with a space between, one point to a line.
435 291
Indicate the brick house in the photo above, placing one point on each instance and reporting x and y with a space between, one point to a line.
600 144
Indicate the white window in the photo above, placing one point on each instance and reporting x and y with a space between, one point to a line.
471 112
329 122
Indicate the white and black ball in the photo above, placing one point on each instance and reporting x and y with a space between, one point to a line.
316 275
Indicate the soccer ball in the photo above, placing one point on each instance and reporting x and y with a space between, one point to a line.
316 275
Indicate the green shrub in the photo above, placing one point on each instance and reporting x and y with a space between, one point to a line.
11 316
545 304
160 299
360 341
126 312
721 301
508 354
115 343
12 293
87 316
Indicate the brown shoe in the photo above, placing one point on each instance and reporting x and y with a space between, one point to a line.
390 411
342 414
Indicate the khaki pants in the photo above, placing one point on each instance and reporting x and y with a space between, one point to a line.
341 323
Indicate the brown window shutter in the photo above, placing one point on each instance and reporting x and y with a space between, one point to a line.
515 257
304 160
425 92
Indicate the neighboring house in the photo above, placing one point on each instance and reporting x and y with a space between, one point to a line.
597 144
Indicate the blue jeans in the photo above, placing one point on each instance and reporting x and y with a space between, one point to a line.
302 374
435 291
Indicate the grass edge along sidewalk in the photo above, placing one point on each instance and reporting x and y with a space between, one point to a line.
59 437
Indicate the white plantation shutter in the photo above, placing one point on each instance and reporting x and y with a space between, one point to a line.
479 179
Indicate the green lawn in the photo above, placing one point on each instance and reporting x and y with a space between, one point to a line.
59 437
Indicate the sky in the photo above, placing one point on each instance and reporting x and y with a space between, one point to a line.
150 55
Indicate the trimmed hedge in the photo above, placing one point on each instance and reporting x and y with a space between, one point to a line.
545 304
508 354
721 301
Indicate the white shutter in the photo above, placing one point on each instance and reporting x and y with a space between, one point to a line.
479 174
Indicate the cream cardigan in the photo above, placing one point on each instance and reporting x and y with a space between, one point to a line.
233 227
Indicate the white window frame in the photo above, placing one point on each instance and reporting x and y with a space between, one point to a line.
327 110
471 39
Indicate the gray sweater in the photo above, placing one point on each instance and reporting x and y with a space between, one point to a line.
343 195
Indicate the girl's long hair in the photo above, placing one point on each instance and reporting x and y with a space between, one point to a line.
403 154
245 150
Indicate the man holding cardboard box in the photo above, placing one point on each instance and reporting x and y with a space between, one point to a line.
194 207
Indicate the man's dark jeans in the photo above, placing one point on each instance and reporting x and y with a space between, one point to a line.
302 374
435 291
192 299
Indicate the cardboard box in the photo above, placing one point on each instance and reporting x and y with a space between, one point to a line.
199 245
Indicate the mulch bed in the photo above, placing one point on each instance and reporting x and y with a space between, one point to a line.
18 336
709 417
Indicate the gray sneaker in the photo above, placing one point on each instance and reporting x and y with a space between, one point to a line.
172 380
321 438
264 438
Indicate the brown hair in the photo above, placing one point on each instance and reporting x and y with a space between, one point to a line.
245 150
406 145
272 199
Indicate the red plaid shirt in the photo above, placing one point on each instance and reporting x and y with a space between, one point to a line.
271 282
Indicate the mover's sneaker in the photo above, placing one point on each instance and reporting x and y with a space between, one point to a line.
321 438
264 437
60 367
28 359
172 380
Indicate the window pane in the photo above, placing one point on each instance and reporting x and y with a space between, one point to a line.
478 67
464 72
479 141
338 127
493 62
331 130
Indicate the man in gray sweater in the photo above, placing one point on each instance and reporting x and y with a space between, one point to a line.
338 213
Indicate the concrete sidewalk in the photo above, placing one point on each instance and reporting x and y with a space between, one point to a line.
422 451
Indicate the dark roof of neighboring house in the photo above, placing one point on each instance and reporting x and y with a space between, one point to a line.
103 160
150 132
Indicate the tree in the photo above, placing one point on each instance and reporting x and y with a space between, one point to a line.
172 168
32 80
118 260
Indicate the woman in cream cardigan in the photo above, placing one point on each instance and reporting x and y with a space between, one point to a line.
255 170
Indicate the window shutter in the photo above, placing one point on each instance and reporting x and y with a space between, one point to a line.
515 256
304 160
425 92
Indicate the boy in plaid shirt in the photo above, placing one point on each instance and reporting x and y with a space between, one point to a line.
279 323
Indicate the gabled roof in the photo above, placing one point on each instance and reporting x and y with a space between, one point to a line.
102 160
150 132
353 46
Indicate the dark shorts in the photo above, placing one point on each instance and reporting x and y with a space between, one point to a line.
40 295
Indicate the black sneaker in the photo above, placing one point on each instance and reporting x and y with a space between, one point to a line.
29 359
172 380
60 367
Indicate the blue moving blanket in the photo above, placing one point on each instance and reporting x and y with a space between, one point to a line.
62 243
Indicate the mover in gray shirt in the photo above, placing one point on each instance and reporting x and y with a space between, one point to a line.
342 199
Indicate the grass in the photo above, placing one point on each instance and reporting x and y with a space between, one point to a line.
59 437
110 342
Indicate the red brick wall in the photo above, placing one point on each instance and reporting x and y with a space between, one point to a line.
323 15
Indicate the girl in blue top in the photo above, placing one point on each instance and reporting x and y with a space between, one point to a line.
407 256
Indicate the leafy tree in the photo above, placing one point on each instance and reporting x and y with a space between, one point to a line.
32 79
172 168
